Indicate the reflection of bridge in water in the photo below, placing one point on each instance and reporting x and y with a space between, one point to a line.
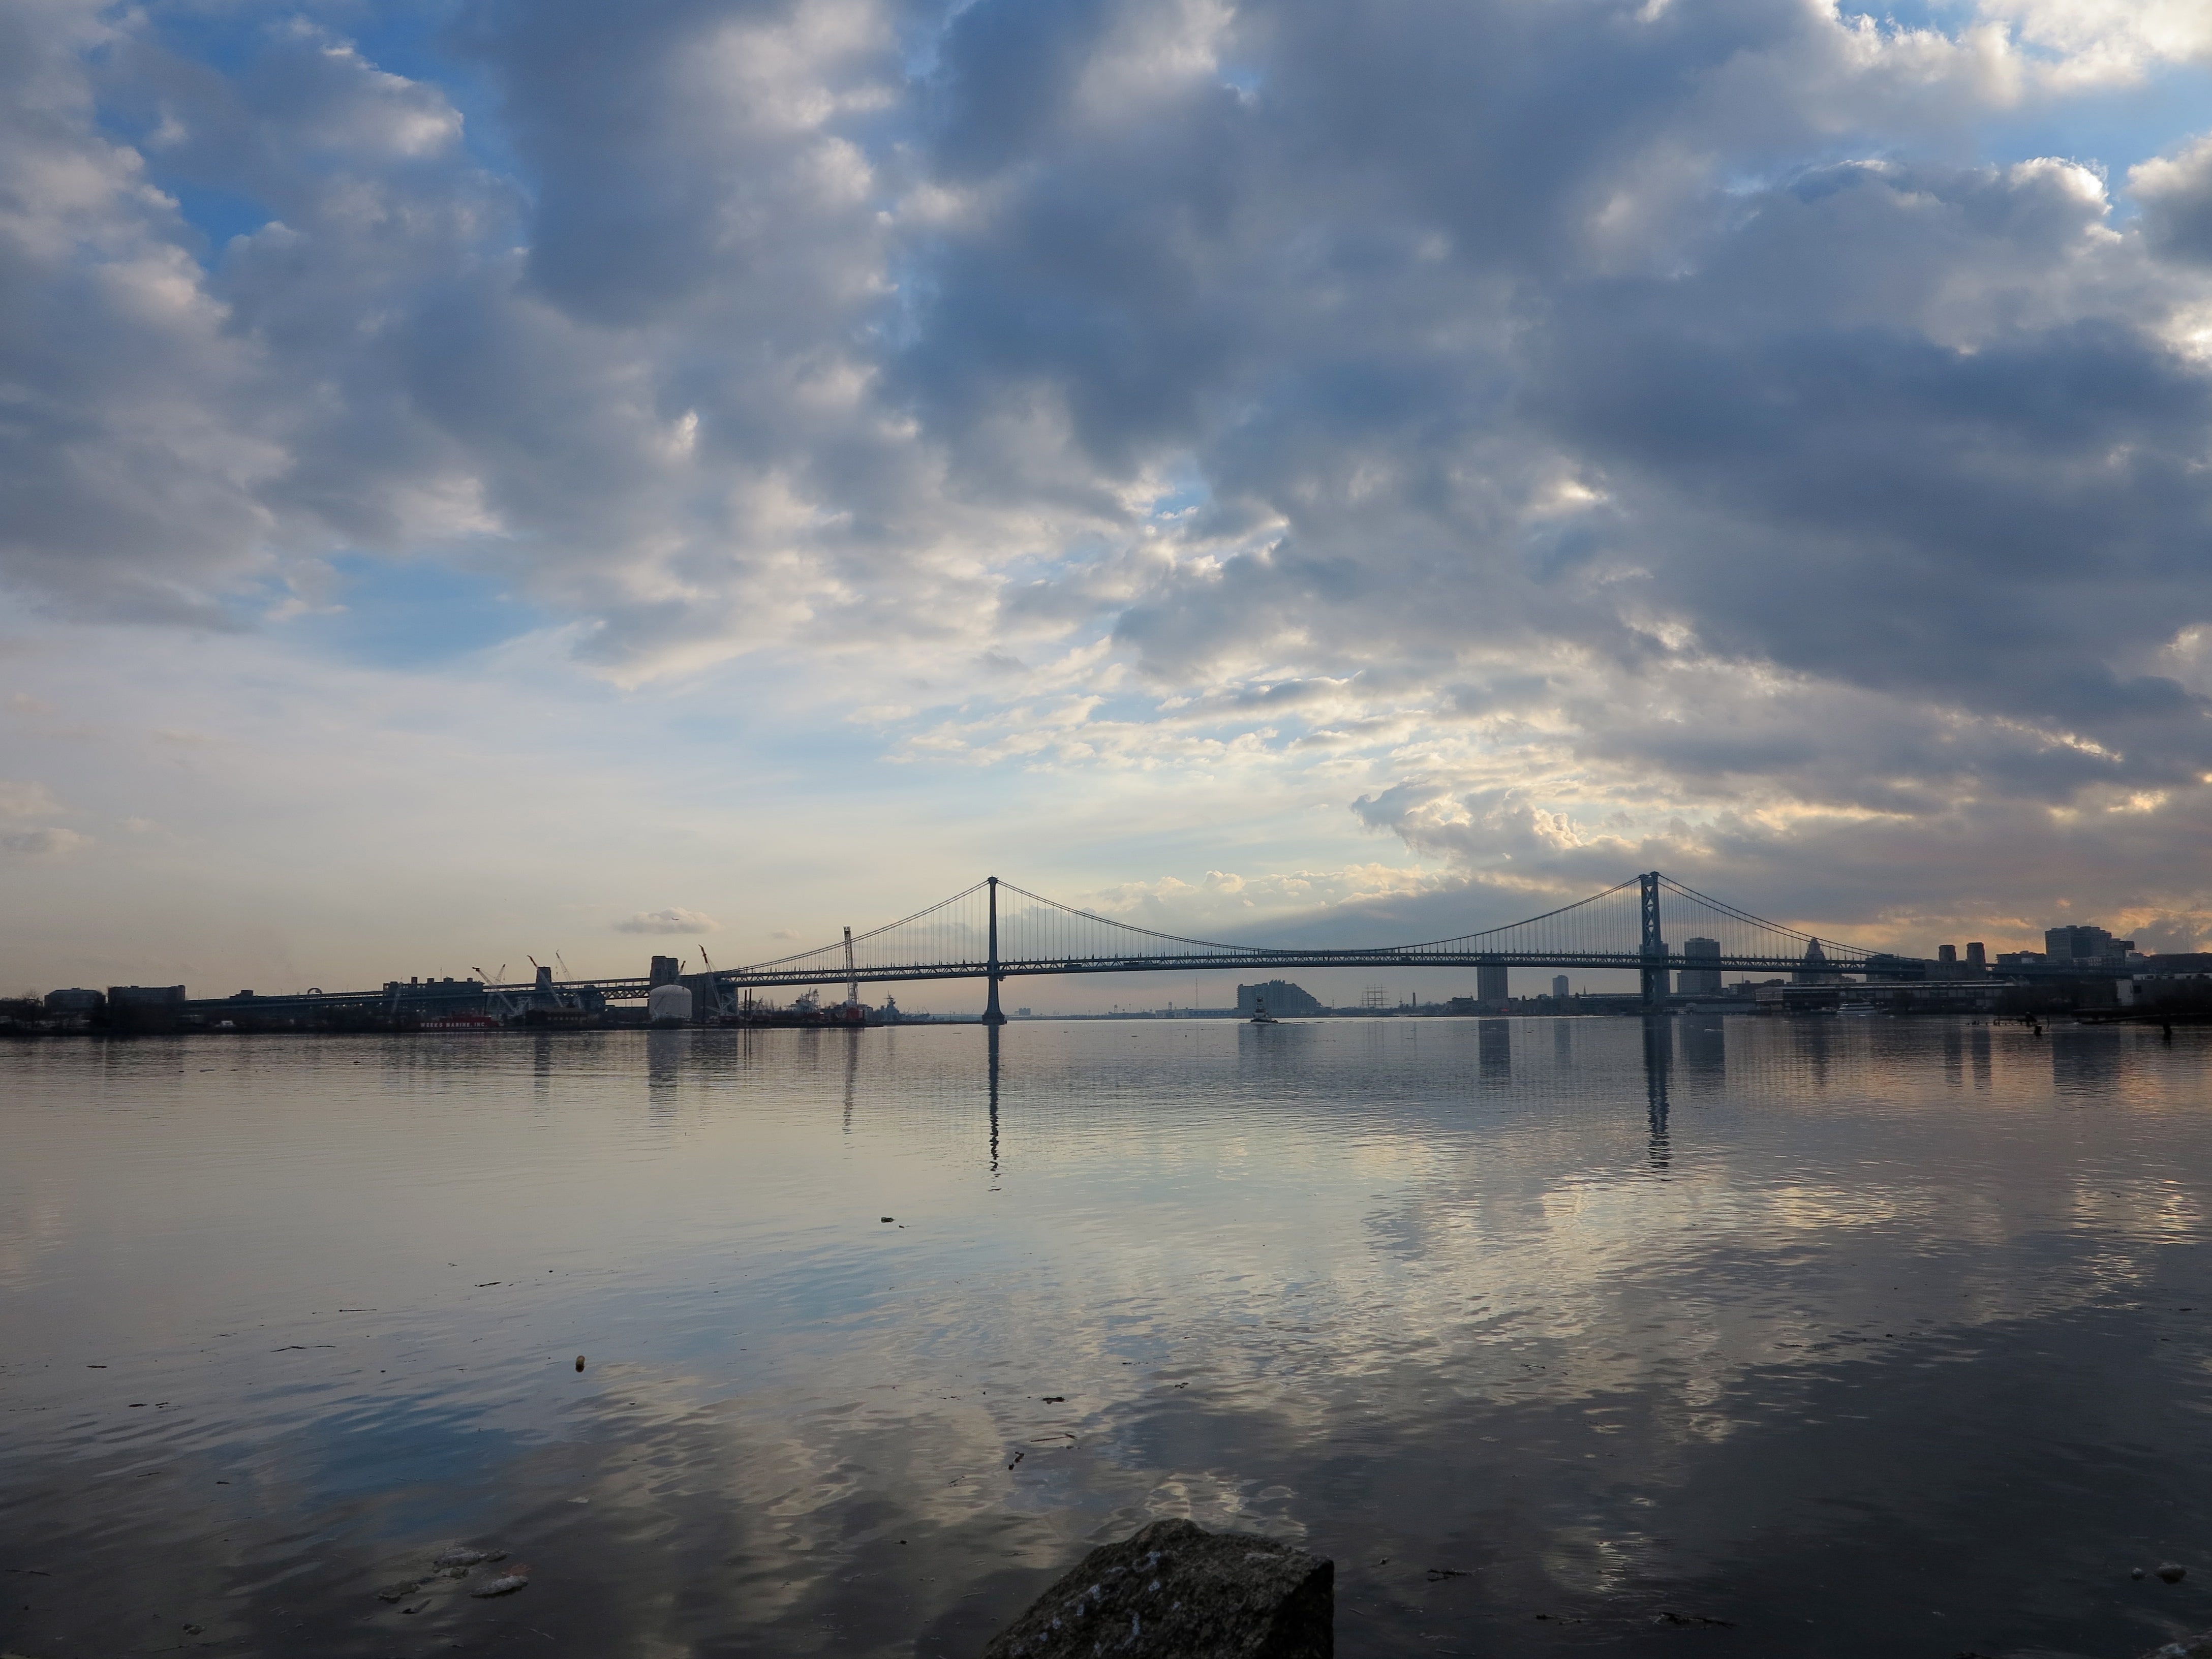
1650 925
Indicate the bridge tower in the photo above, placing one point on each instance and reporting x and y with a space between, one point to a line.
992 1014
1653 948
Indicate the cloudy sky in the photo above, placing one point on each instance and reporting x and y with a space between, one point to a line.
488 479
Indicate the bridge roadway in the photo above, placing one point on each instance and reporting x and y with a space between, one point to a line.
630 989
429 996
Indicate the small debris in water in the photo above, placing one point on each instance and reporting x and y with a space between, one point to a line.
580 1362
1055 1399
2136 1573
1693 1619
191 1630
887 1219
1437 1575
397 1592
2172 1574
460 1556
506 1584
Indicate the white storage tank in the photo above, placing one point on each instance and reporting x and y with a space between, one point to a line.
668 1005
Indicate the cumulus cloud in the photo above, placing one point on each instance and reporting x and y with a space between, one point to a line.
1567 436
667 922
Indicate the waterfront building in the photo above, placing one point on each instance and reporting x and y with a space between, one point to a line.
1282 998
1491 985
1697 981
2083 943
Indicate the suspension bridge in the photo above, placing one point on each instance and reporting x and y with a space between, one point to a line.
1650 925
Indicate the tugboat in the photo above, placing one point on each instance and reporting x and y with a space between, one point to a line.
1259 1014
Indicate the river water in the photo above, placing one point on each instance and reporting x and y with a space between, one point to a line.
1744 1336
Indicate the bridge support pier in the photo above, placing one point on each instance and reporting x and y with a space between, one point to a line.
993 1014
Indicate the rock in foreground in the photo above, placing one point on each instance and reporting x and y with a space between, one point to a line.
1176 1591
2190 1647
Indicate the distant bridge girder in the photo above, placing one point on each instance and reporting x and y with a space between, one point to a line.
626 990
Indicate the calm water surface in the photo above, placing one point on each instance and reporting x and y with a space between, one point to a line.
1861 1336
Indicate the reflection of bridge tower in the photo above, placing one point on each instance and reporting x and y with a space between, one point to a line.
1658 1059
991 1034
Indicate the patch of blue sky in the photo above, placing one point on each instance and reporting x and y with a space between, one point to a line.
217 214
415 41
1184 490
418 42
2115 128
2112 129
412 614
922 37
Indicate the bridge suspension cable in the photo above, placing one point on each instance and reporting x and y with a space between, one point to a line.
1650 922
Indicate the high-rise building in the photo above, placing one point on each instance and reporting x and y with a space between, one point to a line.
1977 957
1947 953
1815 970
2083 943
1560 986
1490 984
1701 982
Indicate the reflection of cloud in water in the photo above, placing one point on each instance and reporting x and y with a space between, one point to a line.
1355 1290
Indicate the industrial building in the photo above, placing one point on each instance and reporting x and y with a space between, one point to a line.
1282 998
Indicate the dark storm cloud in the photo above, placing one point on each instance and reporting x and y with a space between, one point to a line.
2176 193
1632 395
